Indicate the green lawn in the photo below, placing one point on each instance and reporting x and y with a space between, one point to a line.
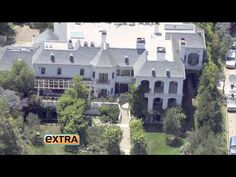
156 144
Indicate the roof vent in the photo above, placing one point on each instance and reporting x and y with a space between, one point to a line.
161 50
85 44
168 73
52 58
126 60
92 44
153 73
71 58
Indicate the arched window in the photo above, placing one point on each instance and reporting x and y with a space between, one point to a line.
153 73
193 59
71 58
52 58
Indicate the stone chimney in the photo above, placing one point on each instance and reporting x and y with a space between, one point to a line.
103 39
140 44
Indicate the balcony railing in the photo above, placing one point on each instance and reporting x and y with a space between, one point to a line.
159 90
105 82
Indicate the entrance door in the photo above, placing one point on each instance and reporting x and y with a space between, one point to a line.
103 93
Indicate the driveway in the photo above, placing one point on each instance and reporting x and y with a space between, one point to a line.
230 116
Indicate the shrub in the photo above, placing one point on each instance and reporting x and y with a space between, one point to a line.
174 141
72 149
37 140
111 112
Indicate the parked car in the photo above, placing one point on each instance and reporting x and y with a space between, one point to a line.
231 103
232 145
230 59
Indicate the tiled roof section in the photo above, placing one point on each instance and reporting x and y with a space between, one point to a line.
8 55
47 35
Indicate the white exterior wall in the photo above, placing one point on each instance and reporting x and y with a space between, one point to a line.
67 71
166 95
193 50
104 86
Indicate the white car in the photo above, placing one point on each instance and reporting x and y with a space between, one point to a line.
231 103
230 59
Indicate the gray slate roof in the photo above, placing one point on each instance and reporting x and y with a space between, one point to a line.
47 35
82 56
193 40
90 56
116 56
9 54
175 67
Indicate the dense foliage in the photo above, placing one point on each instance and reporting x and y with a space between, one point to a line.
112 136
137 139
20 79
109 113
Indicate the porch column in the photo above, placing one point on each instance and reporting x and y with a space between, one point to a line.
179 100
165 103
151 86
150 104
166 87
180 87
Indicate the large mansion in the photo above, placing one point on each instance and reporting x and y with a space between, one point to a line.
109 56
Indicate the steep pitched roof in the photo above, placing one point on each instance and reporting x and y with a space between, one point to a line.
47 35
8 55
175 67
82 56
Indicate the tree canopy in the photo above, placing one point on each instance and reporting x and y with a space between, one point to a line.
20 79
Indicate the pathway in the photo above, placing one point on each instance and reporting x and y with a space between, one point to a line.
124 125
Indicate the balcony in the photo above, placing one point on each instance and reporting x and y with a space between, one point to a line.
103 82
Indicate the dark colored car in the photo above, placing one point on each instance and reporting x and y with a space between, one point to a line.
232 150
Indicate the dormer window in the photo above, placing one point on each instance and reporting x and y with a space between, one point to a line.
168 73
52 58
126 60
71 58
153 73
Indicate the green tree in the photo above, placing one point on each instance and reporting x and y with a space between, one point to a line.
112 135
20 79
12 137
137 139
203 141
173 121
42 26
111 112
33 122
137 102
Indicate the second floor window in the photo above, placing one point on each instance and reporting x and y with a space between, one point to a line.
132 72
113 75
93 74
81 72
43 70
59 71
